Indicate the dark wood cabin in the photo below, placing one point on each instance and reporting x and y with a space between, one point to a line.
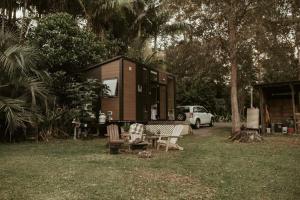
279 105
136 91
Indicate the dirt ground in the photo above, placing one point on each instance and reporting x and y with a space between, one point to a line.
206 131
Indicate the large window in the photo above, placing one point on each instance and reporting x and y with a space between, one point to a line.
112 86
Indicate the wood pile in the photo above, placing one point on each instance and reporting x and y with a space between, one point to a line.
145 154
246 135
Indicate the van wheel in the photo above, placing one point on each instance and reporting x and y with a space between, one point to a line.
181 117
197 124
211 124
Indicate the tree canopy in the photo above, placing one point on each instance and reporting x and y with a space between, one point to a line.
217 49
65 45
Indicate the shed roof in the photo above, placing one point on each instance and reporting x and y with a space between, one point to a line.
277 84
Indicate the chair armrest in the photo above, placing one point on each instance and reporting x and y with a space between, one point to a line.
163 135
171 136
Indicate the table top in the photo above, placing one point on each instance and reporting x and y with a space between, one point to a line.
139 144
152 136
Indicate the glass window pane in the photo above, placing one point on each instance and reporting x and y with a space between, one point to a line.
184 109
202 110
196 109
112 85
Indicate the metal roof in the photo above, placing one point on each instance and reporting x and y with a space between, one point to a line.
126 58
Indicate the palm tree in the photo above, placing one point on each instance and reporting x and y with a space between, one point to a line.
99 12
22 85
142 11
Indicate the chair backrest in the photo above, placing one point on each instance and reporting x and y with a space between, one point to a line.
136 132
113 132
176 132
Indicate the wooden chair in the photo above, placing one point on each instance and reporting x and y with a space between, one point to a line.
171 140
136 132
136 136
114 141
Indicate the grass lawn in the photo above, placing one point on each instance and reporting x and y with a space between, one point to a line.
208 168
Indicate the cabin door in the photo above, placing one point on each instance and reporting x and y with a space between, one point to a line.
163 102
142 80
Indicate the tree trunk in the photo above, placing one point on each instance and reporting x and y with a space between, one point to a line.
9 15
298 48
3 21
87 16
297 43
140 30
155 43
235 117
23 20
295 19
15 15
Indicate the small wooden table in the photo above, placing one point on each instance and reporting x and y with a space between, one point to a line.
139 146
125 136
153 139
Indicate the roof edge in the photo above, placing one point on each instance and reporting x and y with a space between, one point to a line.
122 57
274 84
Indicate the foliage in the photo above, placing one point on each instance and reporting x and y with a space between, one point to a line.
201 79
56 122
84 97
22 86
65 45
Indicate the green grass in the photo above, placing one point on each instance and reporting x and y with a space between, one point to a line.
208 168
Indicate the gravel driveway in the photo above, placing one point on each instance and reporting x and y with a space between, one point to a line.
208 131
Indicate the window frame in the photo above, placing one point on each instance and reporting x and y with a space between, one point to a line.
117 87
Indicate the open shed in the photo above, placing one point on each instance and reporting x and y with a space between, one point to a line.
137 93
279 105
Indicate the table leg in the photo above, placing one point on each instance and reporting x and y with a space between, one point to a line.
153 143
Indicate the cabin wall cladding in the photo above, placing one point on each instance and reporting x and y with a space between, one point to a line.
163 78
163 102
109 71
129 81
94 73
171 96
280 109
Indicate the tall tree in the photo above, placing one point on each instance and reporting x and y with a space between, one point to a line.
237 27
232 33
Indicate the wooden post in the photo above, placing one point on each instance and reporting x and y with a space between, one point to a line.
262 111
294 107
251 97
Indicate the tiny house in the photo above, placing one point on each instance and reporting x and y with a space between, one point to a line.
136 92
